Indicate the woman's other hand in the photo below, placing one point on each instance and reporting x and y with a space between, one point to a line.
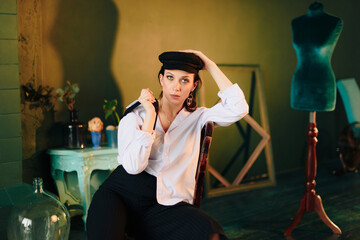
147 99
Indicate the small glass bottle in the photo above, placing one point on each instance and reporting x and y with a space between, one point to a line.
39 216
75 131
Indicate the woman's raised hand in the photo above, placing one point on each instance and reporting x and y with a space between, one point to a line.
207 62
147 99
221 80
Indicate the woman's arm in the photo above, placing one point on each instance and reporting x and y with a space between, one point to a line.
221 80
233 105
134 144
135 136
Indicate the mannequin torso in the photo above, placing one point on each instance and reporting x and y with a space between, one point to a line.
314 38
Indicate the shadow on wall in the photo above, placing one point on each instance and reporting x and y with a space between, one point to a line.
83 34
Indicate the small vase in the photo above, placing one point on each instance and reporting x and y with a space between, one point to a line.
75 132
111 136
96 139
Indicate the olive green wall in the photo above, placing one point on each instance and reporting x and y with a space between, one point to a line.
110 48
10 128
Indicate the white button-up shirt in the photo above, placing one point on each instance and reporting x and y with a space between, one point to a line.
172 156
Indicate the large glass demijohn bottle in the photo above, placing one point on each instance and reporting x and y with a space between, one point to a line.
39 216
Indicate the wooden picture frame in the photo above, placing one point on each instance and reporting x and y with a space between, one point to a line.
261 127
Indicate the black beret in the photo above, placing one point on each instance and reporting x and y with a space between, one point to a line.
188 62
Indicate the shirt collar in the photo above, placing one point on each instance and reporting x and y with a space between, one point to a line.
179 118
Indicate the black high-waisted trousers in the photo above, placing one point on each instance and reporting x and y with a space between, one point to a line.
126 203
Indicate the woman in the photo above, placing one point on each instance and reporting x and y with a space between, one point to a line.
150 194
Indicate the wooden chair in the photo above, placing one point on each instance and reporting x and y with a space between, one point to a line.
205 142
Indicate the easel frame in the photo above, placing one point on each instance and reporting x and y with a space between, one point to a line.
265 144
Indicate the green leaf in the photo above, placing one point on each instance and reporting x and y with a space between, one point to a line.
75 88
60 91
72 96
114 102
60 99
106 105
107 114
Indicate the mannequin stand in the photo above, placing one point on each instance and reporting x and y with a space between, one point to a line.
311 201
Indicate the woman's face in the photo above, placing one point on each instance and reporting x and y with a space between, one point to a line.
177 85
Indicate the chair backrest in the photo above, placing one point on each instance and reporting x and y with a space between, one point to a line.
205 142
350 94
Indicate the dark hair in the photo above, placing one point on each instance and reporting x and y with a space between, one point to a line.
192 107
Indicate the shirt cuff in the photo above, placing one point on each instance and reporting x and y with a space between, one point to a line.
232 91
145 138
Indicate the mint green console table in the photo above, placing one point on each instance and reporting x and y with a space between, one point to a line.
83 162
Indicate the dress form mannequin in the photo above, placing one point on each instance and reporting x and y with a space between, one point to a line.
314 38
313 89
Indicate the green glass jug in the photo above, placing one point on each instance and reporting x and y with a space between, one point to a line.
39 216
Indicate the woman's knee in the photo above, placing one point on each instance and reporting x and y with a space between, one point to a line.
106 214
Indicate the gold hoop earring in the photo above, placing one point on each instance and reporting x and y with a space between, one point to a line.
189 99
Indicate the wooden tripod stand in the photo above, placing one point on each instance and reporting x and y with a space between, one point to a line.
311 201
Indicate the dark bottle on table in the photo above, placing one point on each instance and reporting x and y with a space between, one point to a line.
75 131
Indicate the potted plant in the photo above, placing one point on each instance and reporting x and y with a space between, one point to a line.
109 108
74 131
